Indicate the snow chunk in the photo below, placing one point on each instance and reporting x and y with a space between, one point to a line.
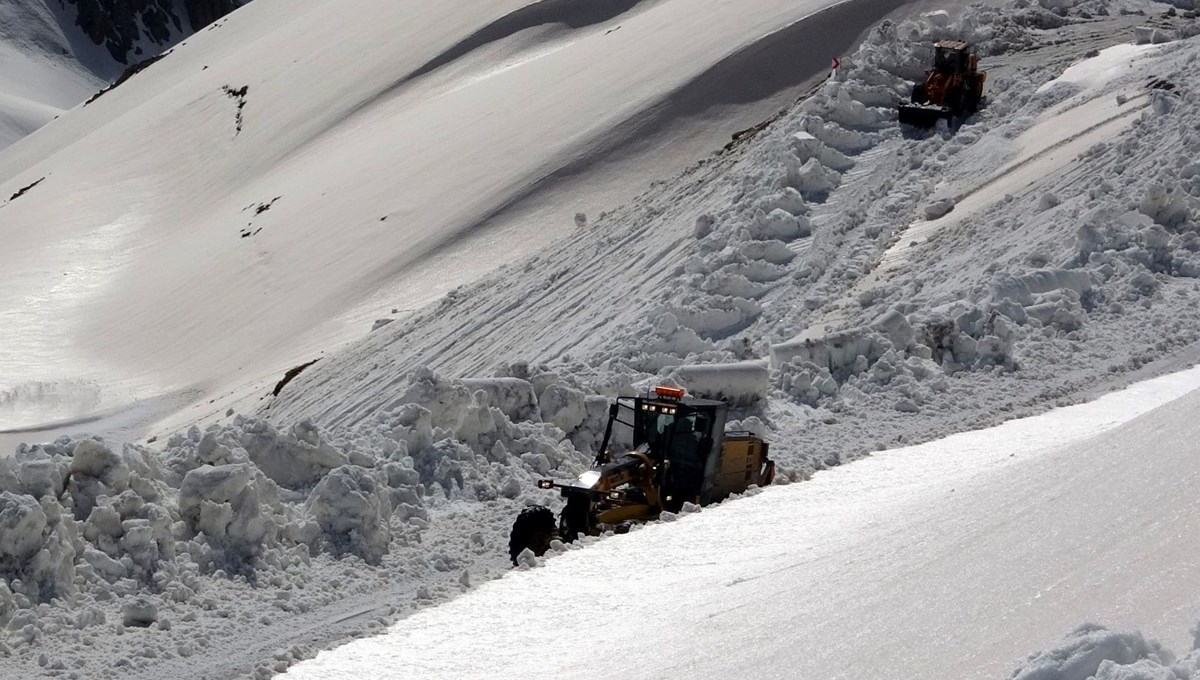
515 397
564 407
226 505
1086 649
939 18
780 225
352 508
95 471
739 384
895 326
138 612
1046 280
36 551
812 179
939 209
1151 35
836 352
1167 207
294 460
1048 201
807 147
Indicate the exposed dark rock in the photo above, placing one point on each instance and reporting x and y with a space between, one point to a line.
290 375
21 192
120 25
128 73
239 95
203 12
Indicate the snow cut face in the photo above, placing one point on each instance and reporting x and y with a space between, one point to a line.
1096 72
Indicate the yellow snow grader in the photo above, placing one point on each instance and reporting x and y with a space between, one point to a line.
953 88
673 450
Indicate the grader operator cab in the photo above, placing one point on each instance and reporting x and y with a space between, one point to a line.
951 89
673 450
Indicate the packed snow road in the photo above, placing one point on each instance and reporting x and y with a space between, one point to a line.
947 560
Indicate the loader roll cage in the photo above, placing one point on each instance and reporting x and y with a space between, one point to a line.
952 56
659 452
682 436
949 60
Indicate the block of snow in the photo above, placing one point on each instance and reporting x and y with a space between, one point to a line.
741 383
352 508
895 326
836 352
1151 35
1011 288
515 397
294 459
23 525
95 470
939 18
42 477
811 178
229 506
786 198
36 551
780 225
939 209
563 406
1047 201
138 612
1046 280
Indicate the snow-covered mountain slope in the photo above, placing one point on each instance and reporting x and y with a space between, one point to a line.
378 481
947 560
39 79
54 54
731 259
265 190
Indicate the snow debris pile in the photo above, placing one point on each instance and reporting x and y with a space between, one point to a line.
95 535
1088 264
1092 652
785 243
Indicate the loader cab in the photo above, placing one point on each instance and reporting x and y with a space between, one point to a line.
684 436
952 56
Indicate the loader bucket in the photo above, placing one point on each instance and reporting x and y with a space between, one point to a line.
922 116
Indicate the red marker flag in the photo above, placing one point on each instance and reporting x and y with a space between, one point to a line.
836 63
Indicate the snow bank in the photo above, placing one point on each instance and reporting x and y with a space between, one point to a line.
1092 652
103 534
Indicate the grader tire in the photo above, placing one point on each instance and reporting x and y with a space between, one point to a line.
534 528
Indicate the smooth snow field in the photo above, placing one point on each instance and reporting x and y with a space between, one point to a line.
243 205
951 559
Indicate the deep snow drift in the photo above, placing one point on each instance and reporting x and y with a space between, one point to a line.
945 560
